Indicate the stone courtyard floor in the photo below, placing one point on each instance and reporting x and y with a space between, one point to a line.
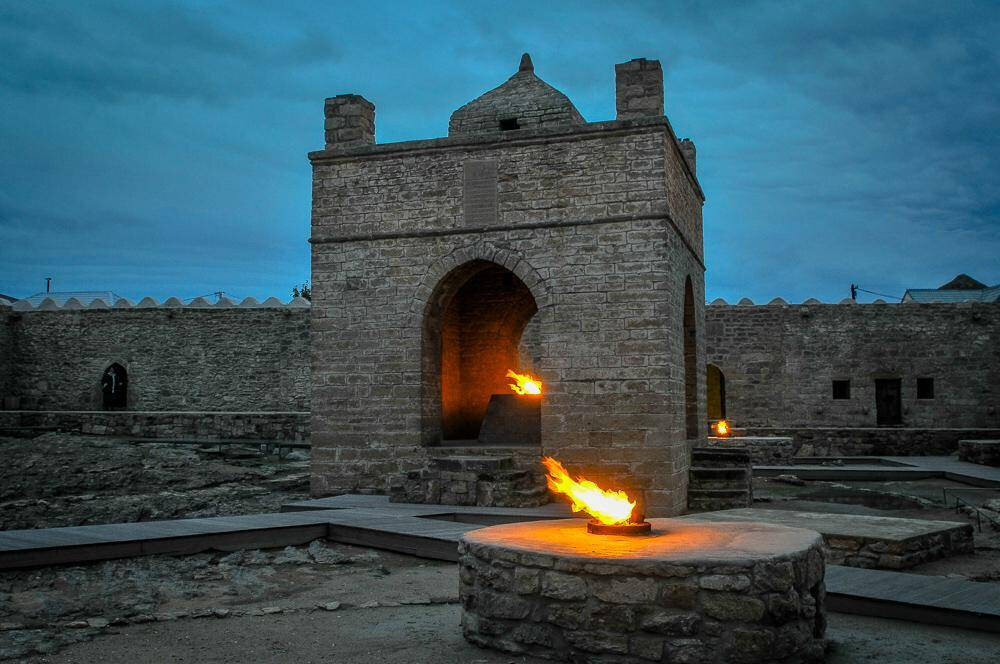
326 601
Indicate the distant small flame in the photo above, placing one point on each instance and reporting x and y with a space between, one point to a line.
722 428
608 507
526 383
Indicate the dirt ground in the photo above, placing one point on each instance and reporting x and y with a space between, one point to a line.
62 479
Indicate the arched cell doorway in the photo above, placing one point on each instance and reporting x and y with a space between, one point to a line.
715 391
691 424
114 388
472 328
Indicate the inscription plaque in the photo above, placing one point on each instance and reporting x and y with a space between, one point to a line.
480 191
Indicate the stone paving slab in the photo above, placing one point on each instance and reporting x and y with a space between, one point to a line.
557 510
918 598
892 468
838 525
866 541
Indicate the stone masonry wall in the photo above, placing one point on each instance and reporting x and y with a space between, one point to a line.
779 362
201 425
582 219
178 359
6 352
869 441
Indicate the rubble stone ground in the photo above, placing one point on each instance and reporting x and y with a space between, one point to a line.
60 479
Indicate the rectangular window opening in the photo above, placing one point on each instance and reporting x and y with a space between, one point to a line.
925 388
841 389
508 124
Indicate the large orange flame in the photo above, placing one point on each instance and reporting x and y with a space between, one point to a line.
608 507
722 428
526 383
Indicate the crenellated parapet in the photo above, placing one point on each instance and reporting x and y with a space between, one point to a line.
73 304
781 302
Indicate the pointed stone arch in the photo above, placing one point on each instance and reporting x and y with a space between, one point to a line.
484 251
114 386
472 308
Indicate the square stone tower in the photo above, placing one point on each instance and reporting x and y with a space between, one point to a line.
527 240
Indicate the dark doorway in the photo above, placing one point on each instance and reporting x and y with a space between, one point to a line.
472 329
114 387
715 382
690 364
888 401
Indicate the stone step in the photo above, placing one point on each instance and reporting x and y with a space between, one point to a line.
715 472
716 485
717 493
719 478
473 464
710 500
705 458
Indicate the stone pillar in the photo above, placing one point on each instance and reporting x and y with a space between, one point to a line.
350 121
639 89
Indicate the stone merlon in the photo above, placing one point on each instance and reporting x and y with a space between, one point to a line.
350 121
638 88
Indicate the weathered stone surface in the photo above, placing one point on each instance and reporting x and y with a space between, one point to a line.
624 590
563 586
729 606
724 582
672 622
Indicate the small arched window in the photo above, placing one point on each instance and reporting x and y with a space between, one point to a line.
114 387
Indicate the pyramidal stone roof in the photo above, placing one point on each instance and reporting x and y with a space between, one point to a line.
523 102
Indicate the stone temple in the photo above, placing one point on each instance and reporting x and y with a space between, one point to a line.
528 239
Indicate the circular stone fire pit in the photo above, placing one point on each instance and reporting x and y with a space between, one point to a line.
690 592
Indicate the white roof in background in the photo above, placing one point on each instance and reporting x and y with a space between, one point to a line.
85 297
991 294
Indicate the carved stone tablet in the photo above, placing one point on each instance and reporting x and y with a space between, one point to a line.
480 193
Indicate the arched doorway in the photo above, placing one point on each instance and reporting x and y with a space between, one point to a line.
715 391
691 424
114 388
471 335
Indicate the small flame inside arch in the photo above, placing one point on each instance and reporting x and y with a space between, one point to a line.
524 383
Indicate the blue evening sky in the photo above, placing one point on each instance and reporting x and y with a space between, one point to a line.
156 148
